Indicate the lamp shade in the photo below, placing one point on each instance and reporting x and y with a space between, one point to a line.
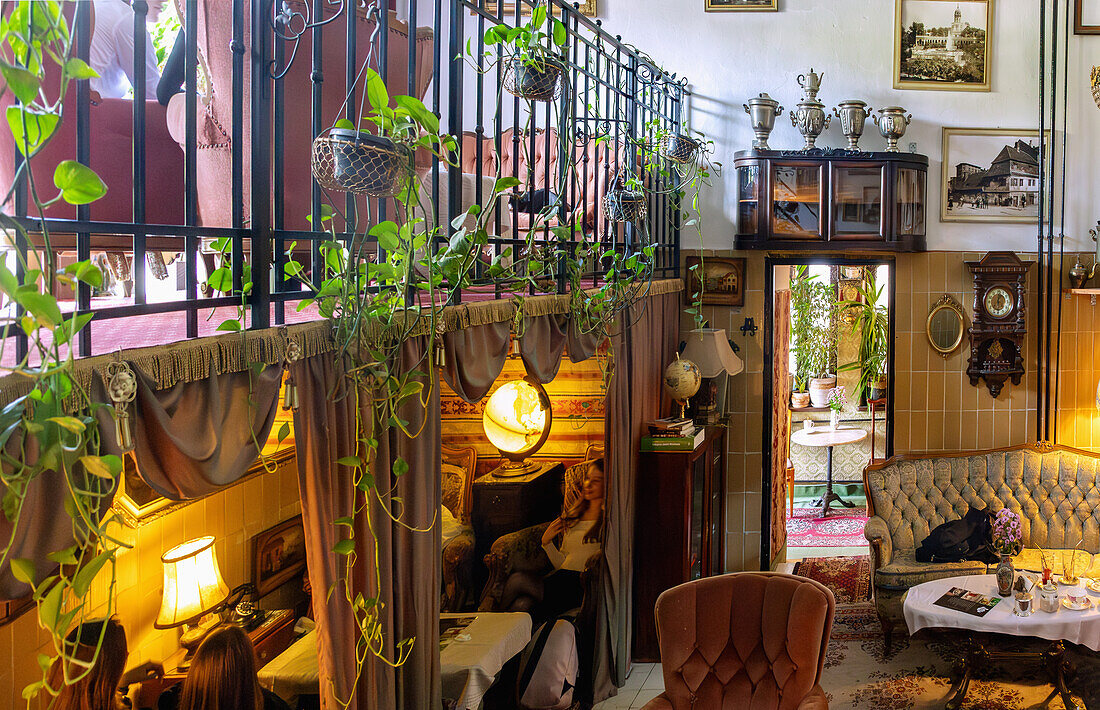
709 349
193 583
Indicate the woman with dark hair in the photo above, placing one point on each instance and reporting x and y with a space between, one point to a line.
222 677
98 688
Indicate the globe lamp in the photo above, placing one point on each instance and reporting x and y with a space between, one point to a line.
517 421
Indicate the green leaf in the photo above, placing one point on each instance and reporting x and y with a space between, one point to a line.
23 570
377 94
64 332
366 483
284 432
69 424
78 183
86 272
419 112
560 35
352 461
83 579
108 467
344 547
504 183
538 16
400 467
50 607
344 123
76 68
232 325
32 690
221 279
64 557
346 521
23 84
42 306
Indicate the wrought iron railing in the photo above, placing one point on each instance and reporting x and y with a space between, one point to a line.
261 81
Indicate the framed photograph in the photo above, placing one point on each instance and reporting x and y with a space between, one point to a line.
723 280
588 7
278 554
990 175
1086 17
742 5
942 44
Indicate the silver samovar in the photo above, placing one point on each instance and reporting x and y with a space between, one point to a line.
892 122
810 120
852 114
762 111
810 83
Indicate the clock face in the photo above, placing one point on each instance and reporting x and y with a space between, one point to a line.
998 302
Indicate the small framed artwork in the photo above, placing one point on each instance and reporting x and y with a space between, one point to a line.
942 44
278 554
742 5
723 280
588 7
990 175
1086 17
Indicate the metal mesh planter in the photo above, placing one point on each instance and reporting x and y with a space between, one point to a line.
541 82
626 206
679 148
361 163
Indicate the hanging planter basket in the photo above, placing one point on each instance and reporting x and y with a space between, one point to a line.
534 82
626 205
679 148
361 163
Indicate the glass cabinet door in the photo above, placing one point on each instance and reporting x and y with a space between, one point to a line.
909 202
698 510
748 192
717 523
796 202
857 202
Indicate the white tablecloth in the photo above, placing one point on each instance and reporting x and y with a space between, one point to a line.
468 668
1080 627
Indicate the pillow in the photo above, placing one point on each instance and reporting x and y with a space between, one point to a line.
449 526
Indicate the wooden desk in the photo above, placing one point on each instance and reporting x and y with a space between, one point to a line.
504 505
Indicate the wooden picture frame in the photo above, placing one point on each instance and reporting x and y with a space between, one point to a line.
953 53
964 197
724 279
588 8
1079 19
742 6
278 554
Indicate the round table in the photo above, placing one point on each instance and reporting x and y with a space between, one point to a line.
820 436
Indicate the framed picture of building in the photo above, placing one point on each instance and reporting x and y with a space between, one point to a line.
942 44
723 280
1086 17
990 175
742 5
588 7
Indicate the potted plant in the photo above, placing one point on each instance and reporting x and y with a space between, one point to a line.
813 338
535 64
800 398
871 321
625 201
679 147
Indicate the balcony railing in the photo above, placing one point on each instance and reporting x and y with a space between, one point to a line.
228 158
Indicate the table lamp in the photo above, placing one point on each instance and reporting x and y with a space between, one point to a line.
193 587
710 350
517 421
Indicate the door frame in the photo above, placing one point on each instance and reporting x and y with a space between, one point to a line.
770 262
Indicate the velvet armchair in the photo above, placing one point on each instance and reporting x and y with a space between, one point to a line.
459 469
745 640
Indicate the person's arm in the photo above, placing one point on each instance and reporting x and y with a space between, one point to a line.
124 45
548 546
145 671
171 81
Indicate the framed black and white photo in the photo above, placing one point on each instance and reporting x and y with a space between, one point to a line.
1086 17
742 5
990 175
942 44
588 7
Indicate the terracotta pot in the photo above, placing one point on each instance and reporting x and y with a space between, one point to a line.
800 400
819 390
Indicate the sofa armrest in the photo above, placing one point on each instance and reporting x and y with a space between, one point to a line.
661 702
458 566
882 546
520 551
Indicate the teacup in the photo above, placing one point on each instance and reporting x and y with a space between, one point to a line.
808 424
1077 596
1023 604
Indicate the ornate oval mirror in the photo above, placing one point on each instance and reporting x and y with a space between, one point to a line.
946 326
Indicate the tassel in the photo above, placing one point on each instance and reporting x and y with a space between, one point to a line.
440 355
290 395
122 388
123 434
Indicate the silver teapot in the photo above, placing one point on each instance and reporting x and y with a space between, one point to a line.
762 111
852 114
811 84
810 119
892 122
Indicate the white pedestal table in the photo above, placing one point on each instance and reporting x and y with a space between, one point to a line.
828 437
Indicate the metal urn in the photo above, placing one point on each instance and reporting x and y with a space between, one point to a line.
762 111
892 122
852 114
810 83
1080 274
810 119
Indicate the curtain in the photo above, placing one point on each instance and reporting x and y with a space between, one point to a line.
635 397
408 562
472 377
781 423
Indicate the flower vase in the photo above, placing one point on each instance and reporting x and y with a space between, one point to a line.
1006 575
834 419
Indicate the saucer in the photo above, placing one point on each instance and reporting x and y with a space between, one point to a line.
1059 579
1093 586
1071 607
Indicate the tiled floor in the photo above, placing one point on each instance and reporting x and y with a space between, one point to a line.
643 684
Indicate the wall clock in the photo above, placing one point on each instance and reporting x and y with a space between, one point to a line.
999 322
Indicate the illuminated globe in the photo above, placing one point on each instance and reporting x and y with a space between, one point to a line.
682 379
517 421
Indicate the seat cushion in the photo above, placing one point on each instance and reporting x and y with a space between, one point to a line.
904 571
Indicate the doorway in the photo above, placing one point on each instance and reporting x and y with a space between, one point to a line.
829 335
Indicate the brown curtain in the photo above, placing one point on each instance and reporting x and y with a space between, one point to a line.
635 397
408 561
472 376
781 422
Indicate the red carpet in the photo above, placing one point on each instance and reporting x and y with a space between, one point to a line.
849 578
843 527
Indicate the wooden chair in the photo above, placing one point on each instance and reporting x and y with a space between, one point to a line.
457 480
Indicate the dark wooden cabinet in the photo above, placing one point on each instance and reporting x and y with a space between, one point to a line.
831 199
679 527
504 505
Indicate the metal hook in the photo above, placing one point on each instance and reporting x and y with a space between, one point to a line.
749 328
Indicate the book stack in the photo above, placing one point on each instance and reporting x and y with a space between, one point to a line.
673 434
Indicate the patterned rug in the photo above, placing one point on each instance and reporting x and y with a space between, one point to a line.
842 528
919 671
849 578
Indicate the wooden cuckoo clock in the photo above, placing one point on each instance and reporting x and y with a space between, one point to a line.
1000 320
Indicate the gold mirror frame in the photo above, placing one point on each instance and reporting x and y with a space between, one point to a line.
949 304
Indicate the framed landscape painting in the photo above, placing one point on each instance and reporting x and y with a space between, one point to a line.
942 44
990 175
742 5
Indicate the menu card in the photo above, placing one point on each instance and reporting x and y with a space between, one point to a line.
967 601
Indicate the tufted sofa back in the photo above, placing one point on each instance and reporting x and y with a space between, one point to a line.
1053 490
744 640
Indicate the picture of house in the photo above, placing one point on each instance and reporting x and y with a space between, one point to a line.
991 175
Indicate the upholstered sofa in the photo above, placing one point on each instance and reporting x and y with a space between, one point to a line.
1052 488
